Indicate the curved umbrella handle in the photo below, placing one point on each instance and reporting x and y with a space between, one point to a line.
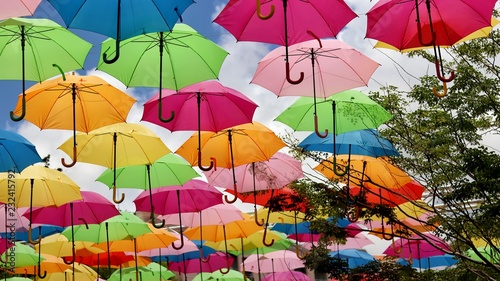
225 270
235 189
287 72
117 53
30 236
159 226
421 39
74 159
39 272
340 174
441 77
255 216
203 259
2 260
259 11
212 163
315 37
354 218
60 70
117 201
385 235
394 248
160 115
264 239
409 260
441 95
84 222
70 261
297 252
23 111
316 128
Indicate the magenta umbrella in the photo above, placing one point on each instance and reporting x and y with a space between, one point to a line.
195 195
17 8
287 276
277 261
218 107
280 170
418 247
216 261
293 21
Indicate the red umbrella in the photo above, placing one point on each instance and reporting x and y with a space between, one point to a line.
293 21
195 195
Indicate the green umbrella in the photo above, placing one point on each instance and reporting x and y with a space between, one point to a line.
152 271
486 252
19 255
232 275
169 170
340 113
37 49
170 60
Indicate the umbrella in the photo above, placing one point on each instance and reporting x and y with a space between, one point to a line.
291 275
18 8
39 186
231 275
93 208
122 19
238 145
16 152
195 196
187 56
401 24
330 67
117 145
353 257
43 44
298 21
72 102
360 142
49 264
418 246
218 108
152 271
280 170
376 178
486 252
19 255
216 261
81 272
278 261
170 169
431 262
60 246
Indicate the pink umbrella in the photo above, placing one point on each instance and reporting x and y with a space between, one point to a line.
277 261
330 66
17 8
277 172
306 20
195 195
418 247
287 276
218 108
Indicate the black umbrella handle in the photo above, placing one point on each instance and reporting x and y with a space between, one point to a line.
117 41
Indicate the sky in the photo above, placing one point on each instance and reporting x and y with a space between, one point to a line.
236 72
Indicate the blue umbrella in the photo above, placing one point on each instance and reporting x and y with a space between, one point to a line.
121 19
431 262
16 152
363 142
353 257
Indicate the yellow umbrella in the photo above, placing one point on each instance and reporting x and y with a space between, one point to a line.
117 145
238 145
37 186
78 103
58 245
81 272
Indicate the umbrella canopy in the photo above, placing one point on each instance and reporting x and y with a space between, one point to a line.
220 107
231 275
16 152
353 257
418 247
213 215
216 261
431 262
360 142
60 246
18 8
353 111
486 252
329 66
383 182
180 58
81 272
49 264
23 255
291 275
49 45
278 261
39 186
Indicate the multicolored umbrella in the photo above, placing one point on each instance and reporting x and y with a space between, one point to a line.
121 20
72 102
187 56
44 44
238 145
16 152
117 145
18 8
298 21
